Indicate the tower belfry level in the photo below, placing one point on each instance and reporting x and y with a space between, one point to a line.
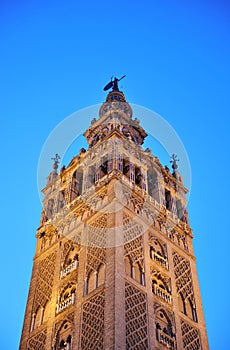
114 266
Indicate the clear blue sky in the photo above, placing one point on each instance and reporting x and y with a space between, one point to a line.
56 56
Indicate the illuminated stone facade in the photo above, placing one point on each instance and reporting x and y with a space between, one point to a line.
114 266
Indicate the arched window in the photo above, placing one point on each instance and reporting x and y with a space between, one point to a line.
179 208
66 297
152 184
64 337
164 329
126 167
104 167
134 270
70 262
158 252
91 175
71 256
101 275
91 281
60 201
39 317
76 184
168 200
181 302
137 272
128 266
45 313
160 287
191 310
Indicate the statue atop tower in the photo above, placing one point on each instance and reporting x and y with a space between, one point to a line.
113 84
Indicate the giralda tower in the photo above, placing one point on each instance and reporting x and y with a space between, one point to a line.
114 266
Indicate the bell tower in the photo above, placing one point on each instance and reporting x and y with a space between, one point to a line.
114 266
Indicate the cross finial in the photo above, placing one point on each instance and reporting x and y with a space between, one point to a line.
174 161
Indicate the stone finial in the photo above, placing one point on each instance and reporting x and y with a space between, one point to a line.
56 161
53 173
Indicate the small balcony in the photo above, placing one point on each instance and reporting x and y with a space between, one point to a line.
166 340
65 303
69 268
162 293
159 259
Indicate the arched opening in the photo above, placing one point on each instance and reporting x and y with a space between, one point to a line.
168 200
66 297
158 253
76 184
101 275
126 167
91 282
104 166
181 302
39 317
60 201
164 329
70 262
191 310
71 256
91 175
138 176
179 209
161 288
152 183
64 337
128 266
45 313
137 272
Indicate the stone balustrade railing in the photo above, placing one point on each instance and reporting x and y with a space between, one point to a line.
65 303
69 268
159 259
166 340
162 293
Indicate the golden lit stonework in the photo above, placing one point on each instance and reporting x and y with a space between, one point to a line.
114 266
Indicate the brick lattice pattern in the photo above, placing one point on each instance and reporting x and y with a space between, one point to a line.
133 240
183 276
97 244
131 229
37 342
135 318
92 336
191 337
44 281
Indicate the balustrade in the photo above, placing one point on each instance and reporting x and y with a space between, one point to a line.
162 293
159 259
166 340
65 303
72 266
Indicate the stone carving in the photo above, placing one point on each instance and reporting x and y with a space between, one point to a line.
96 244
92 335
44 281
37 342
135 318
131 228
190 336
184 286
165 326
